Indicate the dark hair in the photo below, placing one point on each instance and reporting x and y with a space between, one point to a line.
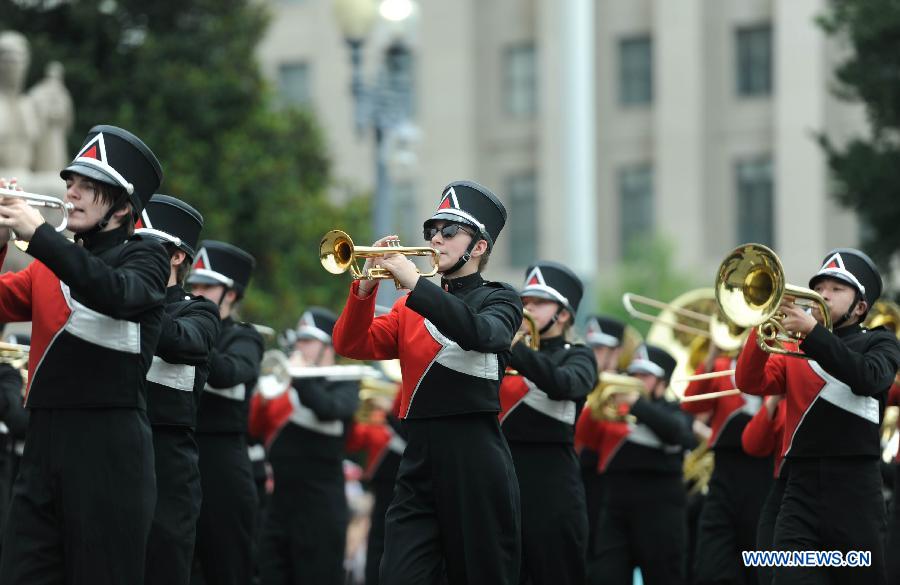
184 269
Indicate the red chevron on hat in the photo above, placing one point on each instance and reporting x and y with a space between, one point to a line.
449 201
535 278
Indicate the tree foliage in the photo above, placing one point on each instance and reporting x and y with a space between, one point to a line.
648 270
184 77
867 170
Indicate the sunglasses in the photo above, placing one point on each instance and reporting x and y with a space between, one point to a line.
448 231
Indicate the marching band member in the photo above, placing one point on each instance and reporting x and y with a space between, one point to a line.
893 541
833 499
13 424
384 444
456 503
83 501
604 335
538 420
763 437
644 519
176 378
738 485
305 528
225 532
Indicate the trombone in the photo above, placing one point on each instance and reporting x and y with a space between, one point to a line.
750 287
40 201
726 335
337 253
276 373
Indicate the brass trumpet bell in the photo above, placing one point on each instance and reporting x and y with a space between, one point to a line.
750 287
338 254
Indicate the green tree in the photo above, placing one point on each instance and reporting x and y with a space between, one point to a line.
184 77
648 271
866 170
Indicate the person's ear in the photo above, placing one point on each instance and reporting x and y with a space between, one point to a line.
479 249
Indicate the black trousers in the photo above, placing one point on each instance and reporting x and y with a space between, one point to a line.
554 513
644 525
224 553
893 542
593 496
83 501
305 532
170 550
832 504
729 519
382 492
765 530
456 506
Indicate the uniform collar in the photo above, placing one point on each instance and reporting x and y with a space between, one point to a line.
175 293
553 343
848 331
101 241
463 283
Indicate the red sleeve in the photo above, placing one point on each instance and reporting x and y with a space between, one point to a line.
15 293
585 430
759 437
359 335
758 372
256 422
356 438
894 395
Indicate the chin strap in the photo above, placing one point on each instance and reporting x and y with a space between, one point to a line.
552 321
463 259
846 316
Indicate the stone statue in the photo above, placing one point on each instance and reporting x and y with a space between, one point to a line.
33 126
19 123
53 105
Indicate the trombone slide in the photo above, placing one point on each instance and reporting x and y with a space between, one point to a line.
711 395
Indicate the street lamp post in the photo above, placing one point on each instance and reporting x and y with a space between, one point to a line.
384 104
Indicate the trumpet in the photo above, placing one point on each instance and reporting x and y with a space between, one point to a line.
601 400
371 391
14 354
532 336
276 373
337 253
750 287
40 201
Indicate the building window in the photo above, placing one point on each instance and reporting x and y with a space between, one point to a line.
635 71
294 84
520 80
636 204
523 247
755 194
754 60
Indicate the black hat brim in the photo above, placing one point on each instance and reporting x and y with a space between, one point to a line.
91 173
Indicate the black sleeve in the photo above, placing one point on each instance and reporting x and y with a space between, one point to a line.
138 283
190 335
489 329
12 411
671 425
869 373
571 378
328 400
238 361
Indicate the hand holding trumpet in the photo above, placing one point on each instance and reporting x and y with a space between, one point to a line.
16 214
797 319
401 267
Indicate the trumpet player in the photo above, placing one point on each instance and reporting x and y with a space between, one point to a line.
644 520
305 527
225 531
176 378
833 499
96 309
456 503
539 406
739 483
